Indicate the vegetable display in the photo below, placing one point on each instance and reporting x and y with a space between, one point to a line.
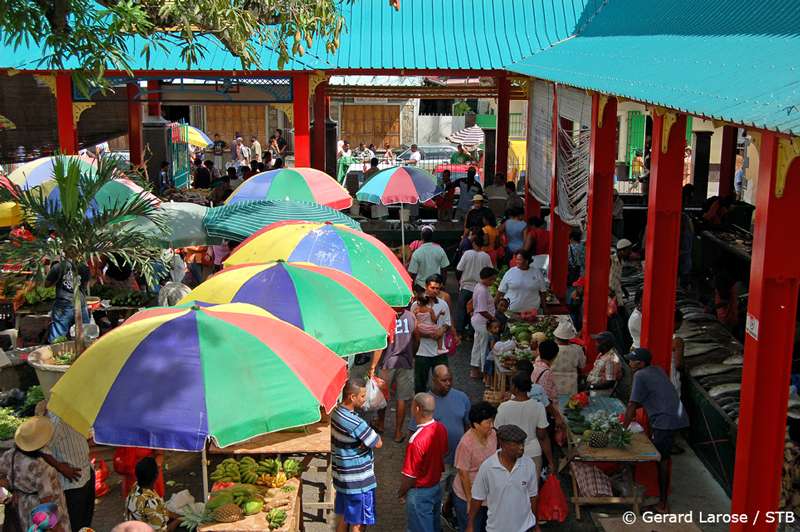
8 423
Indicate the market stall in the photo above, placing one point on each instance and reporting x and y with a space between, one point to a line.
596 437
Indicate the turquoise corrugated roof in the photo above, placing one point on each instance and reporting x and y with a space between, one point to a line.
732 60
424 34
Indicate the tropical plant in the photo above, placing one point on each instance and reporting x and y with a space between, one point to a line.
96 32
76 230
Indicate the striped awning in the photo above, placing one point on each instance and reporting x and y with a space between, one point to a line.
240 220
470 136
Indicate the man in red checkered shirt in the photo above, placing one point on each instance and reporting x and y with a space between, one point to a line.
423 467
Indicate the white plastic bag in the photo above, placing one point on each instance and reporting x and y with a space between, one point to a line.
375 399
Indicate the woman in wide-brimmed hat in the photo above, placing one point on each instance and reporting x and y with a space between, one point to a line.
29 478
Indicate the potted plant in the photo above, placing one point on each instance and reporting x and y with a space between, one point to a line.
77 230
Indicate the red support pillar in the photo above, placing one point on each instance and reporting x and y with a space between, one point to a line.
602 165
727 161
320 118
501 142
67 133
663 235
532 207
135 142
559 231
301 121
153 98
771 318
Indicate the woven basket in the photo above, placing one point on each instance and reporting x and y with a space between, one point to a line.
492 397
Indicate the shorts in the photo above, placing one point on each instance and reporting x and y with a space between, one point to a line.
356 508
403 379
662 441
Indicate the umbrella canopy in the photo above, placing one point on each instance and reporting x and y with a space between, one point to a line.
307 296
172 377
293 184
198 138
335 246
470 136
184 224
240 220
10 214
400 184
117 193
40 170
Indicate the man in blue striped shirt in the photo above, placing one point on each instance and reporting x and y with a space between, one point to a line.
352 440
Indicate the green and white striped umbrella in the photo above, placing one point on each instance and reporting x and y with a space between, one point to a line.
238 221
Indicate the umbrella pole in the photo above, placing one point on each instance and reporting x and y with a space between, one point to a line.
402 236
205 474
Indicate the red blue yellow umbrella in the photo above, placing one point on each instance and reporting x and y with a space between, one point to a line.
293 184
173 377
308 297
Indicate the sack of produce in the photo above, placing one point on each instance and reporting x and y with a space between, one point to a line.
376 400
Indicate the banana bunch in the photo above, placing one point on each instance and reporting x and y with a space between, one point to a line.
248 470
292 468
272 481
227 471
269 467
242 493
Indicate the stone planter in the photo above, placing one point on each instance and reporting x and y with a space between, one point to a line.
47 371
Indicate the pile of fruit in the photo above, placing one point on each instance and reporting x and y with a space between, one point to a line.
269 472
606 430
578 401
38 294
233 503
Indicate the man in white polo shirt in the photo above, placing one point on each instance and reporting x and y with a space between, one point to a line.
507 482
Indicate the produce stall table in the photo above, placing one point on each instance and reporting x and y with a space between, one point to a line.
259 521
640 450
313 440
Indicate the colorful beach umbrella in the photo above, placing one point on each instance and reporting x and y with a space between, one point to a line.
335 246
39 171
10 214
399 184
293 184
308 297
240 220
198 138
173 377
117 193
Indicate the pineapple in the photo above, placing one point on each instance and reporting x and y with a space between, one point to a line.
227 513
598 439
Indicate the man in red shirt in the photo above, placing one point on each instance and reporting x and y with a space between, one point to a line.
423 467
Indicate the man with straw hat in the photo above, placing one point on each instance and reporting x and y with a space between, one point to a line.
570 359
29 477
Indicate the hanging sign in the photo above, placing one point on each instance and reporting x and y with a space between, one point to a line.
752 326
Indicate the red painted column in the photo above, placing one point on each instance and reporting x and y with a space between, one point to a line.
771 315
135 142
320 117
559 231
727 161
663 236
67 133
301 122
501 141
153 98
532 207
602 162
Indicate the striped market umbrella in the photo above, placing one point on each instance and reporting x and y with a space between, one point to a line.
293 184
334 246
173 377
183 222
400 184
470 136
240 220
39 171
198 138
307 296
115 193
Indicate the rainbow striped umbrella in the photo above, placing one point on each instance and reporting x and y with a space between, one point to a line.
39 171
117 193
173 377
293 184
355 253
307 296
399 184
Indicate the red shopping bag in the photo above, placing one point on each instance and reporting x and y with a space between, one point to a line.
552 503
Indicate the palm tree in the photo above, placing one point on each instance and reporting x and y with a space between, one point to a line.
76 230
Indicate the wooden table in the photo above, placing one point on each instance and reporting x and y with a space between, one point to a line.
640 450
309 441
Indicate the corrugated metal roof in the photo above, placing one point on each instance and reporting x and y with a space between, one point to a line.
732 60
424 34
378 81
